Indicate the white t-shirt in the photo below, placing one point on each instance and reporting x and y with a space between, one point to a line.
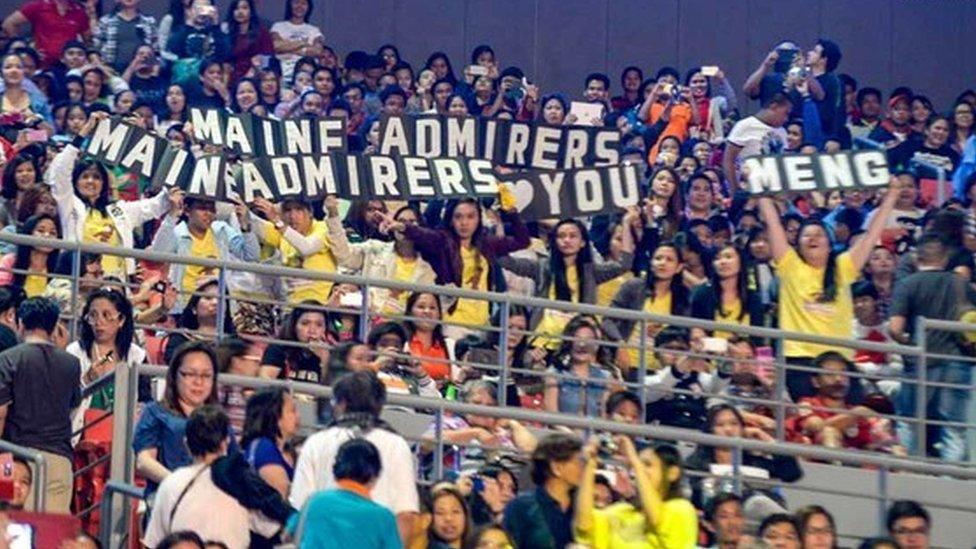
396 487
305 32
757 138
205 509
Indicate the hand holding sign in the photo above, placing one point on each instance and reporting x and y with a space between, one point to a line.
92 122
176 197
269 210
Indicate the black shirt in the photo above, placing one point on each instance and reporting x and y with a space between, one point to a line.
8 338
299 364
42 384
940 295
536 520
902 155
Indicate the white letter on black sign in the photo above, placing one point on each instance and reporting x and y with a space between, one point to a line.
253 183
546 143
384 173
143 151
268 128
553 184
320 178
206 125
835 171
175 167
285 171
418 177
490 128
428 138
108 140
518 143
237 136
298 136
799 173
606 155
871 168
462 134
483 179
449 176
394 138
331 138
589 191
206 176
623 186
763 174
577 142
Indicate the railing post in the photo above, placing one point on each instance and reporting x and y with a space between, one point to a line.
439 448
779 367
122 465
221 303
503 354
940 190
75 293
642 372
882 500
921 401
40 483
364 315
737 470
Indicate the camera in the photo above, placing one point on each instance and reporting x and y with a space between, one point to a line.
798 73
608 447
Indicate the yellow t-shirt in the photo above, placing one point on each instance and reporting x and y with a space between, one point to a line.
606 291
732 312
474 276
553 321
661 305
622 526
403 271
205 247
100 229
34 285
323 260
799 310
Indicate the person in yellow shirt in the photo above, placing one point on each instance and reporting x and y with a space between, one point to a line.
664 519
815 284
39 260
662 292
303 242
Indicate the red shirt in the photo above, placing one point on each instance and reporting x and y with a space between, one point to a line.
52 29
436 370
858 436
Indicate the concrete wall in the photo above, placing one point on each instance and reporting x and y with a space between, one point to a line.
926 45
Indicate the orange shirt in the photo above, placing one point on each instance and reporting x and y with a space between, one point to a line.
436 370
677 126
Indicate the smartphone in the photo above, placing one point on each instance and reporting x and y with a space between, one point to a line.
20 535
159 287
709 70
478 70
666 88
354 300
717 345
36 136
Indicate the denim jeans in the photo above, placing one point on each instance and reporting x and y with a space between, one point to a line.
941 404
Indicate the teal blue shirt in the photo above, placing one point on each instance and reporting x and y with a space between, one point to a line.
340 519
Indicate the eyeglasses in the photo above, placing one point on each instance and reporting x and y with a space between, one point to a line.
199 376
93 317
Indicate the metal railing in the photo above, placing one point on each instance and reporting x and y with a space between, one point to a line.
39 475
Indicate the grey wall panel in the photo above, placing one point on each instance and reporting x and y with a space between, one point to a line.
708 36
572 41
927 47
508 26
641 33
422 27
863 30
349 26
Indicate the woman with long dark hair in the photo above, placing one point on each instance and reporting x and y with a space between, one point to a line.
271 421
40 261
727 296
661 214
175 110
570 273
19 174
425 336
200 317
661 291
451 524
440 65
308 362
87 213
248 37
107 340
159 438
815 283
463 254
580 376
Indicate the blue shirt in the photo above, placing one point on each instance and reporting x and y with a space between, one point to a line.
339 518
263 451
572 391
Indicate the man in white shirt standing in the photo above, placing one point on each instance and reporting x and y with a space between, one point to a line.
759 134
359 398
189 500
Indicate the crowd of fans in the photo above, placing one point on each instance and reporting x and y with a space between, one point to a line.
225 465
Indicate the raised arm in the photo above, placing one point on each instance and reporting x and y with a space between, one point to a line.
583 518
752 85
14 22
778 242
862 249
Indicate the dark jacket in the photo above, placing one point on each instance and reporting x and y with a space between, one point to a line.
442 250
704 299
783 468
